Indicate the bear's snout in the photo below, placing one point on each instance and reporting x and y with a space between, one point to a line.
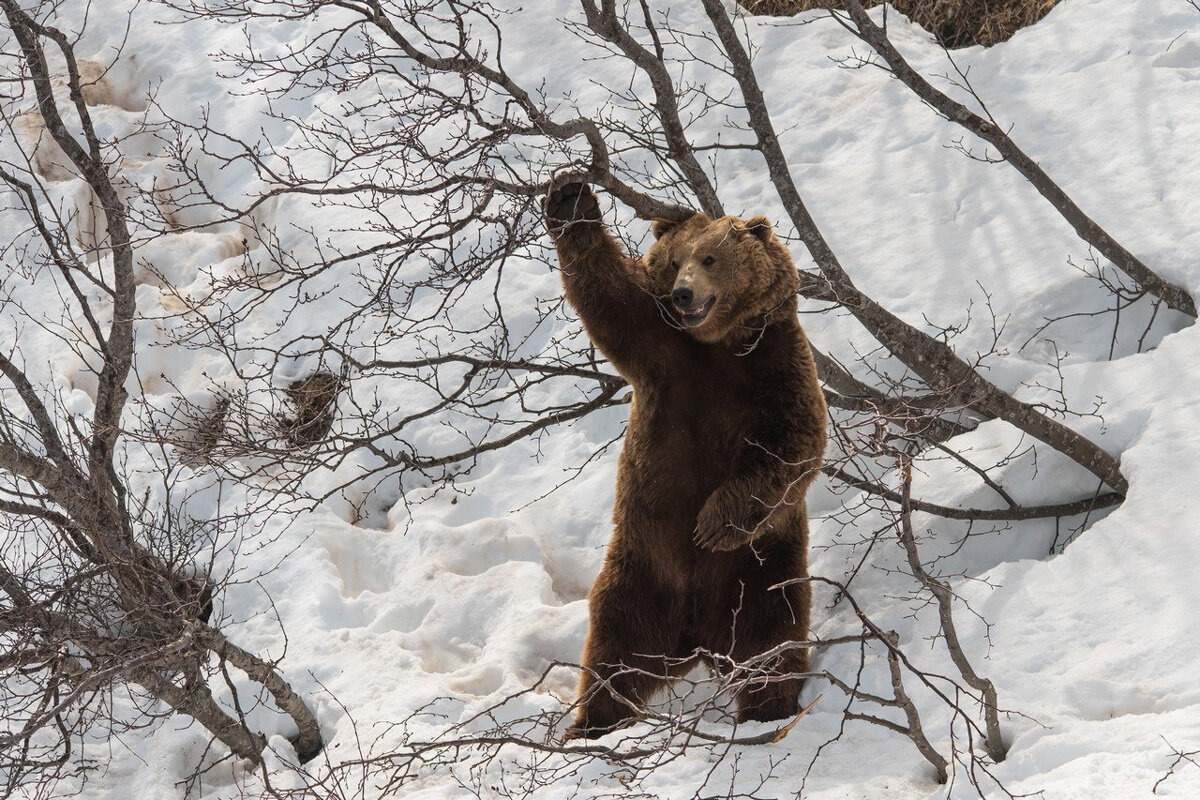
682 297
692 297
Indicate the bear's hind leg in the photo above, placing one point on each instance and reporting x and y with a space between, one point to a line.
766 619
775 695
630 652
611 694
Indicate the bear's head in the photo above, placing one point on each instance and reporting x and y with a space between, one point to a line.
723 279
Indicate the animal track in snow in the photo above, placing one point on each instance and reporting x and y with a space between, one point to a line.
439 654
1098 700
571 574
403 618
474 549
360 569
480 680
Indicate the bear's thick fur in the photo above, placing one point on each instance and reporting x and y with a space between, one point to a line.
726 432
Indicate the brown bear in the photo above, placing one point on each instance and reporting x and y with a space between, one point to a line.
726 432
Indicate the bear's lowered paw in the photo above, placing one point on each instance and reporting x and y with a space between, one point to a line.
582 731
722 525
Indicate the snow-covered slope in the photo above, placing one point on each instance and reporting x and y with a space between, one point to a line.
446 605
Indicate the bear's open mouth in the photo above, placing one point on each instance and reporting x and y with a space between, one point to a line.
698 313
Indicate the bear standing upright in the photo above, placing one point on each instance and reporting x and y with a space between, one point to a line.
726 432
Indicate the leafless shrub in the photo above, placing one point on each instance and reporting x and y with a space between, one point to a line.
503 752
103 584
207 432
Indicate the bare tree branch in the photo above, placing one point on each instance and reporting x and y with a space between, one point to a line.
865 28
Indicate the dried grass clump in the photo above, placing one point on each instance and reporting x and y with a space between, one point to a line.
954 23
314 400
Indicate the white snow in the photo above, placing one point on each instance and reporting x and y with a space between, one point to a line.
445 604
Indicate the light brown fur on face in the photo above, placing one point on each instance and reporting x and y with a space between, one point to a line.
739 263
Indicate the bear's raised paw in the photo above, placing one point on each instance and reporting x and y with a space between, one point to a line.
571 202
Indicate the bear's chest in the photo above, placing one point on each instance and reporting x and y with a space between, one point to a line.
703 414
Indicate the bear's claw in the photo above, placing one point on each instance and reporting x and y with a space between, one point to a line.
575 733
724 538
581 730
571 202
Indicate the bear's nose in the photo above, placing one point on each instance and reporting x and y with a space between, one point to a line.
683 297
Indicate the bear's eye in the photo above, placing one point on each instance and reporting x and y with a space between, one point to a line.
674 266
708 262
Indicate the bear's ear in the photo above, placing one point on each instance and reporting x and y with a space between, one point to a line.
761 227
659 226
